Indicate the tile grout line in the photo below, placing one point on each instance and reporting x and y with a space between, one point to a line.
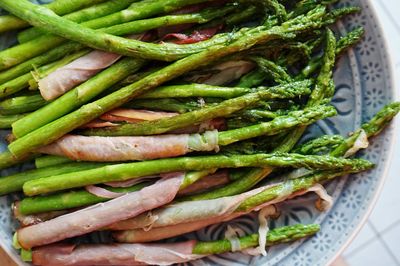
383 242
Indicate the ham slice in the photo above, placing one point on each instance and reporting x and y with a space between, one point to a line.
196 36
134 116
117 149
100 215
209 215
78 71
115 254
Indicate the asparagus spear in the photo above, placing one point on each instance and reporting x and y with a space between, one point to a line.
321 144
122 172
343 43
50 160
90 13
85 114
40 16
170 105
140 10
275 236
7 120
77 97
68 200
60 7
138 26
223 109
324 88
13 183
21 104
144 253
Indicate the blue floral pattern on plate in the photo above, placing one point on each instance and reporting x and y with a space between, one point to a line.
364 85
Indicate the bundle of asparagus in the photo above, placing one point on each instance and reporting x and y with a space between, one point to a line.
111 129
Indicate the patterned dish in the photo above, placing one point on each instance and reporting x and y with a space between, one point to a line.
364 84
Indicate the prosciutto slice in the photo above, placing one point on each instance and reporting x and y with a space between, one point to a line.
206 213
100 215
115 254
78 71
117 149
134 116
196 36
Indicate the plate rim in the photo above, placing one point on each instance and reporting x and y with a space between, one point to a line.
395 127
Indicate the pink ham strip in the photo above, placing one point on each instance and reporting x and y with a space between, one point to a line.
115 254
78 71
103 193
158 233
100 215
196 36
187 211
134 116
81 148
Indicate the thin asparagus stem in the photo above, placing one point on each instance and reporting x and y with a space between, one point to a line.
120 172
68 200
324 88
40 16
7 120
138 26
85 114
223 109
343 44
136 11
276 126
168 105
21 104
275 236
77 96
60 7
50 160
93 12
321 144
14 183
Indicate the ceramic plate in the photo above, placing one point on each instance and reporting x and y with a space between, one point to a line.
364 85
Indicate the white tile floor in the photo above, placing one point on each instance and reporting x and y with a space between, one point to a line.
378 243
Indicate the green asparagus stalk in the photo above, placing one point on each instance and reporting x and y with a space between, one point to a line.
79 198
85 114
223 109
7 159
276 72
275 236
251 79
168 105
14 183
90 13
40 16
21 104
371 128
22 82
60 7
77 96
343 44
324 88
50 160
7 120
197 90
321 144
140 10
138 26
120 172
68 200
